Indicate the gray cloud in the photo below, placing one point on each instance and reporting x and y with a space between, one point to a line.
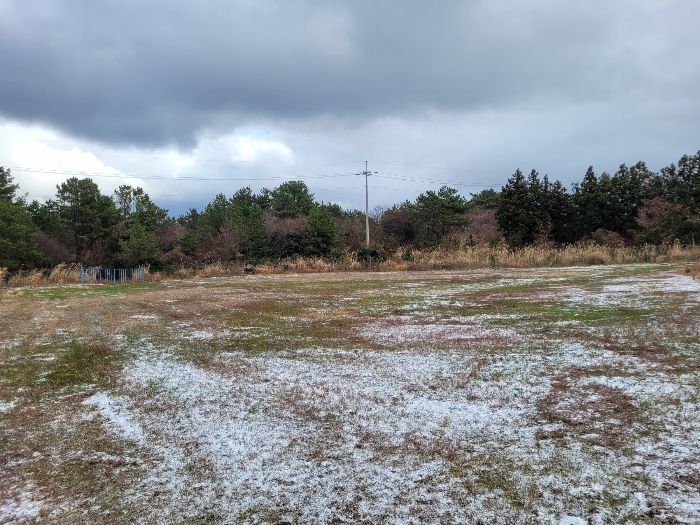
156 73
466 90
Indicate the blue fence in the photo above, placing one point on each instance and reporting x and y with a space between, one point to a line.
112 275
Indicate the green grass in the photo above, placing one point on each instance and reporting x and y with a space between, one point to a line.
87 290
82 363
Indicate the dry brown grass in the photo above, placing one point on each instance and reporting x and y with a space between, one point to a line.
153 277
232 368
692 270
481 256
266 270
62 274
65 274
593 413
315 265
29 278
219 269
537 257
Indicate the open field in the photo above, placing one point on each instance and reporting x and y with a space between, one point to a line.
556 395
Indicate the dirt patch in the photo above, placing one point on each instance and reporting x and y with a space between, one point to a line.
591 413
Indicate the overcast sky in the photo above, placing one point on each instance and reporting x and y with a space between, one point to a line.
172 96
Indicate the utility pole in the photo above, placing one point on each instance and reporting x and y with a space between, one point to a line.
366 173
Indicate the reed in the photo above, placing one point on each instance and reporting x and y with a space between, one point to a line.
476 257
31 278
219 269
65 274
692 270
537 257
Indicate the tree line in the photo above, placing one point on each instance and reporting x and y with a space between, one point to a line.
634 205
81 225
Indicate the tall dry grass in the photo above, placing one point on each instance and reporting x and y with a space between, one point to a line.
536 257
62 274
692 270
482 256
27 278
65 274
217 269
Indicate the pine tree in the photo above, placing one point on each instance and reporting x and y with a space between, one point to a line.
7 189
321 236
436 214
18 246
87 213
514 211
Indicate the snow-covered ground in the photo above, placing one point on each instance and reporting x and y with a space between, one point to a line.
484 417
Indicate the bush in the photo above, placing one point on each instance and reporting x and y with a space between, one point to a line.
369 255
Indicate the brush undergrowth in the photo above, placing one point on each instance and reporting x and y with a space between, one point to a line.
469 258
692 270
464 259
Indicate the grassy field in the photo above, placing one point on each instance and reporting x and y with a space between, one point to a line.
551 395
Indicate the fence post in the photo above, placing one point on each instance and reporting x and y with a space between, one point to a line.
82 274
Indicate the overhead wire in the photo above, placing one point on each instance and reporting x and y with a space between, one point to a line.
186 178
162 177
390 176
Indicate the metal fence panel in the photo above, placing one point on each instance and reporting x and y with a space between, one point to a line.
112 275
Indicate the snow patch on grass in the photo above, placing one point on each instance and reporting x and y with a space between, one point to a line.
21 506
114 410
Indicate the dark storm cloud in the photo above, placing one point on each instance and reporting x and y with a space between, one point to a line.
153 73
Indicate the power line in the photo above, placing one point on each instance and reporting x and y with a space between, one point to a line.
439 168
327 163
161 177
192 178
424 179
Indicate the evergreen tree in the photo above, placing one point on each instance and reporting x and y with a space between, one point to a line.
247 221
321 236
398 224
215 215
291 199
18 247
140 247
682 183
7 189
514 211
487 199
436 214
88 214
560 211
586 205
134 205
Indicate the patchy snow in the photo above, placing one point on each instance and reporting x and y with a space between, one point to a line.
396 330
21 506
112 409
200 334
572 520
6 406
493 418
318 434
